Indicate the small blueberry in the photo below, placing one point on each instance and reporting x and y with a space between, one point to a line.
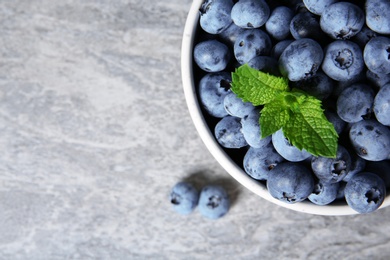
184 198
213 201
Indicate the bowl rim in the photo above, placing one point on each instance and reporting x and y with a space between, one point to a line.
216 150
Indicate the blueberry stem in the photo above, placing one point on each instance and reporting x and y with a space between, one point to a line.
214 202
373 195
338 167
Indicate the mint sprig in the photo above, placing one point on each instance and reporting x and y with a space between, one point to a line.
297 113
257 88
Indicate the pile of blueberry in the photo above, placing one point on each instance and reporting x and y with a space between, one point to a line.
213 200
337 51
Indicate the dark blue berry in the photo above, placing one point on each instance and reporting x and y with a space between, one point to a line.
213 87
377 55
301 59
214 201
184 197
324 193
250 13
331 170
234 106
365 192
251 43
290 182
343 60
318 6
306 25
252 131
278 23
378 15
286 149
215 15
382 105
342 20
228 132
355 103
211 55
259 162
370 140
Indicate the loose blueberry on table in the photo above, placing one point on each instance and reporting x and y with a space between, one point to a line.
184 198
214 201
298 94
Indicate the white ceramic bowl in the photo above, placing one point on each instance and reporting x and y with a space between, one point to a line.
206 134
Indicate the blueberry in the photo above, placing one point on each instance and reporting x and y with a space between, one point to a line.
370 140
301 59
319 86
286 149
290 182
377 55
378 15
318 6
215 15
331 170
342 20
214 201
278 23
355 103
265 64
211 55
382 105
252 131
250 13
251 43
306 25
234 106
365 192
259 162
324 193
229 134
184 197
343 60
213 87
279 47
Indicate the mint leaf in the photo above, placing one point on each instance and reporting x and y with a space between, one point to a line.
255 86
274 116
308 128
297 113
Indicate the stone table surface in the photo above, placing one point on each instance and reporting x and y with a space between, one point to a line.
94 132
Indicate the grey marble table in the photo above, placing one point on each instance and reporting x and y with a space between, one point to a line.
94 132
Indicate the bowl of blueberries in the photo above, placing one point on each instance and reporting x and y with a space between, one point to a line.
292 98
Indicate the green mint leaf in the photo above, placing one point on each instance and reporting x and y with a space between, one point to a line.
255 86
297 113
274 116
308 128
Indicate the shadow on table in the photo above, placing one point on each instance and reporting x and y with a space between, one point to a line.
205 177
